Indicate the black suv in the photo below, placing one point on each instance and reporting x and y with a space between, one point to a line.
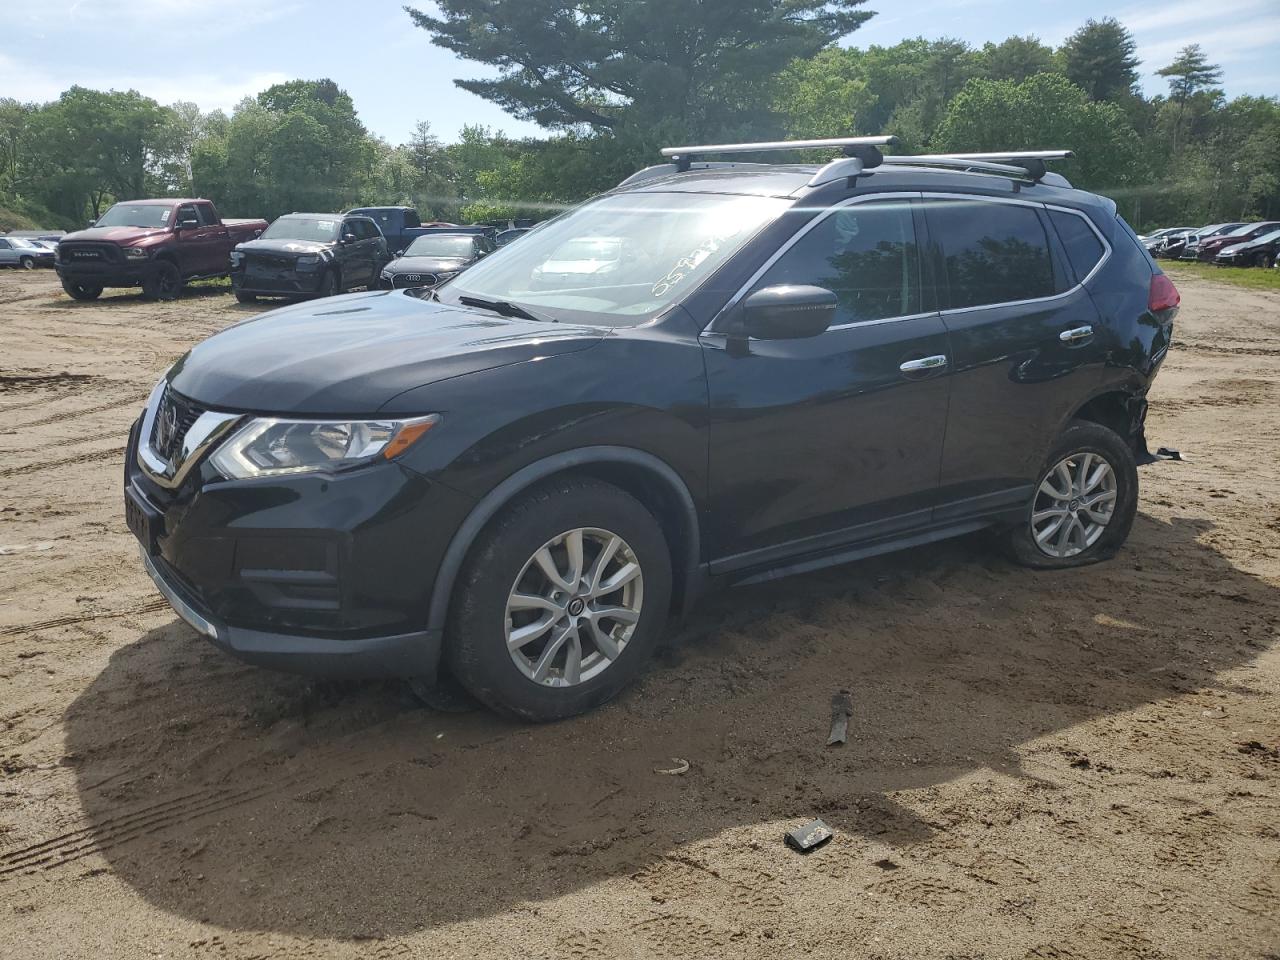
305 255
772 369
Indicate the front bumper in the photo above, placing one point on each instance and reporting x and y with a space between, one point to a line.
277 282
324 575
403 655
103 274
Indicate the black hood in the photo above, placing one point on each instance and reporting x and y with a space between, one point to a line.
283 247
426 264
350 355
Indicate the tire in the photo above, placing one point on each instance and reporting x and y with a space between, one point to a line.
329 284
1087 444
165 283
243 297
502 562
27 263
1262 260
81 291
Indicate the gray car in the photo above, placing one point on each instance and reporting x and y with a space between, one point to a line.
24 253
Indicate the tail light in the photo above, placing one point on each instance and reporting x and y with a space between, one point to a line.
1163 294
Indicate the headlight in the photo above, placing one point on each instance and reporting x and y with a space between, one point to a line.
135 253
236 258
308 261
270 447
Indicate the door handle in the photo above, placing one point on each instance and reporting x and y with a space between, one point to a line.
923 364
1076 334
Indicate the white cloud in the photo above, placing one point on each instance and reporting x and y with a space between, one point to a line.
209 91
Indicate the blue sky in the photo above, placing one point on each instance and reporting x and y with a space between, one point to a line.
215 52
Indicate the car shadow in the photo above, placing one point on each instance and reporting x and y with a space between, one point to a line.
131 296
254 800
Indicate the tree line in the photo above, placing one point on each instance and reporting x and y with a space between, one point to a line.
614 80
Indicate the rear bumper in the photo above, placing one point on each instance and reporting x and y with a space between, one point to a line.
402 655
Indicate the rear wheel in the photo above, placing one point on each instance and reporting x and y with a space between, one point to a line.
560 602
164 284
27 263
81 291
1084 503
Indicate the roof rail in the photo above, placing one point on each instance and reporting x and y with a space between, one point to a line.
865 149
1030 161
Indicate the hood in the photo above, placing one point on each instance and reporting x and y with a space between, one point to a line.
285 247
116 234
350 355
426 264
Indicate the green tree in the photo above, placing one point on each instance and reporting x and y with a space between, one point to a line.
1100 59
701 68
824 96
1017 58
1044 112
1190 75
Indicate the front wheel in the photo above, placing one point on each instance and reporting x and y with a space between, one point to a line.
560 602
27 263
164 284
329 285
81 291
242 297
1084 503
1263 260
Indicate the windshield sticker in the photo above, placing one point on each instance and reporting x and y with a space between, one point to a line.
684 266
326 224
164 216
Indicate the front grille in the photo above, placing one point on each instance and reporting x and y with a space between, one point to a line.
401 280
271 261
85 251
174 416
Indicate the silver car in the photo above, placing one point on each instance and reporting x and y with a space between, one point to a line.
24 253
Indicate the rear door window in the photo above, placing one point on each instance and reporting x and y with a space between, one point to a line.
993 252
865 253
1084 249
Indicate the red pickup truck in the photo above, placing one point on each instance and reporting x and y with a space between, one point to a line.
156 244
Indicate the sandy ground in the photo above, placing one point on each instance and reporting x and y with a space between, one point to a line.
1078 765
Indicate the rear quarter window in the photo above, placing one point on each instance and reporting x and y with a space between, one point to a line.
1084 249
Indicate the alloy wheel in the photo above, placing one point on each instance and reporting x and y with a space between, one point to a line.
1073 505
574 607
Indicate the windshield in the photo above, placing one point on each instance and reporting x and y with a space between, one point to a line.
26 244
441 246
1271 237
622 258
136 215
303 228
1245 230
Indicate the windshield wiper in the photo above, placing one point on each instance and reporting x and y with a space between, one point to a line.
504 308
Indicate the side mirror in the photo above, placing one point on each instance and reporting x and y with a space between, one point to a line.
399 253
92 223
788 312
348 238
188 224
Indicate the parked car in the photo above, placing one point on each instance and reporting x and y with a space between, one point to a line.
435 258
24 253
1210 248
304 255
399 225
1262 251
1191 245
158 245
506 236
800 366
1170 247
1149 238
